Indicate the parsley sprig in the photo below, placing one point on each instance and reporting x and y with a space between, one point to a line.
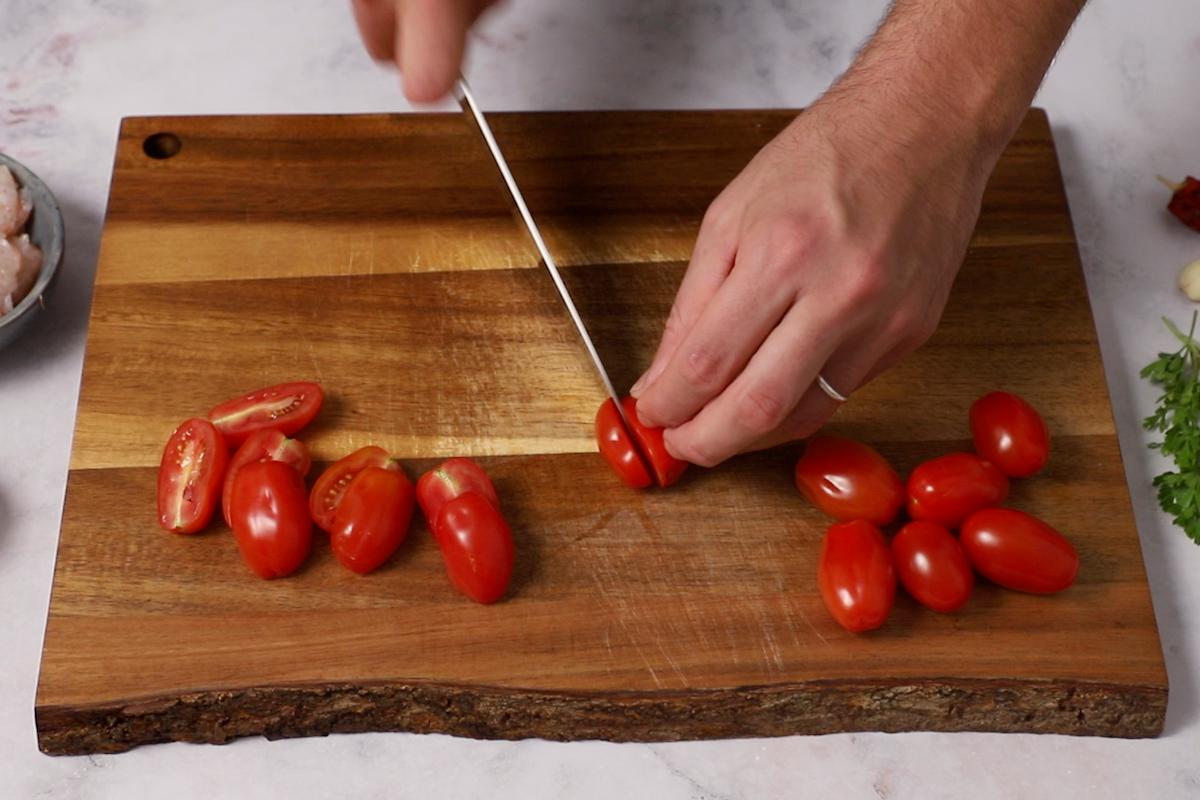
1177 418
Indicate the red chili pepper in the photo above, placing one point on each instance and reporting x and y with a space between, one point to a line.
1185 202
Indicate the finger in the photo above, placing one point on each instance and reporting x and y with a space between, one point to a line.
731 328
377 25
433 35
711 262
761 398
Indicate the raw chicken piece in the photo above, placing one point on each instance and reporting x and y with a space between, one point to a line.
20 262
15 204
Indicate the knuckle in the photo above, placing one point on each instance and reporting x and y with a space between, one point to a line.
760 412
867 284
701 368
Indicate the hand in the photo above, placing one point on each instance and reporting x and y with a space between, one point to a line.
833 254
426 39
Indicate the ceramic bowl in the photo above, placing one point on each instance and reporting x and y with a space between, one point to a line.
45 229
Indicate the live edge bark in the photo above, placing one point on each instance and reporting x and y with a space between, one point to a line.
217 717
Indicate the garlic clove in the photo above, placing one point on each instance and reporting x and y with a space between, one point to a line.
1189 280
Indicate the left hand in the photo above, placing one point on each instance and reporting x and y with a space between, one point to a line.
832 253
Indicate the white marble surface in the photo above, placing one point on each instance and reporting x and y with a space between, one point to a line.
1122 99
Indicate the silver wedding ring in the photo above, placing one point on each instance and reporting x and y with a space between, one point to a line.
831 392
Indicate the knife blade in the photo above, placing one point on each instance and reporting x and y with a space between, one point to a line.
471 108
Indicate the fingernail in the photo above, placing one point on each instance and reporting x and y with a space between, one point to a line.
636 389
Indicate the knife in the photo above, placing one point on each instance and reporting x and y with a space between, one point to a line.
471 108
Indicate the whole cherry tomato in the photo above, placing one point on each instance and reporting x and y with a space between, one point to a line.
1019 551
932 566
617 448
450 479
1010 433
189 476
372 518
476 545
269 508
856 576
946 490
287 408
264 445
667 469
328 490
849 480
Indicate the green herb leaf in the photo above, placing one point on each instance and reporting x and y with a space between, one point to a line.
1177 418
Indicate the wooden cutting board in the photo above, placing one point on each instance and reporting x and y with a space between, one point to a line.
377 255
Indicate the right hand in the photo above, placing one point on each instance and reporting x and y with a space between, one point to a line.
425 38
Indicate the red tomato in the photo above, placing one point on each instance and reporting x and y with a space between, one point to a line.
618 449
476 546
287 408
1010 433
948 489
372 519
264 446
1019 551
667 469
189 476
451 478
856 577
329 488
269 508
932 566
849 480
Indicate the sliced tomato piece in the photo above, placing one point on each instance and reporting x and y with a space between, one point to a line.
190 475
372 518
667 468
264 446
331 486
450 479
476 545
287 408
270 520
617 448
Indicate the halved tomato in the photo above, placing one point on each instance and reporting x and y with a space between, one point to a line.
618 449
450 479
667 468
329 488
189 476
372 518
264 446
287 408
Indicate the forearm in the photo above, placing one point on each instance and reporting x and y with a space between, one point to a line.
968 67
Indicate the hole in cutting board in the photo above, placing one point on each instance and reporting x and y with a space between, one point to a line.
162 145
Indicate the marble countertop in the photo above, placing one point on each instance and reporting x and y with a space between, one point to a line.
1121 98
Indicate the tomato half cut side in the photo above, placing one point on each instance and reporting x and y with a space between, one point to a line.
1010 433
268 445
287 408
476 545
328 490
451 478
856 576
190 475
618 449
667 469
269 508
932 566
372 519
849 480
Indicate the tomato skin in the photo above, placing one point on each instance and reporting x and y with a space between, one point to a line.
1010 433
476 545
448 480
372 519
618 449
948 489
1018 551
932 566
327 492
287 408
265 445
849 480
269 508
189 476
667 469
856 576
